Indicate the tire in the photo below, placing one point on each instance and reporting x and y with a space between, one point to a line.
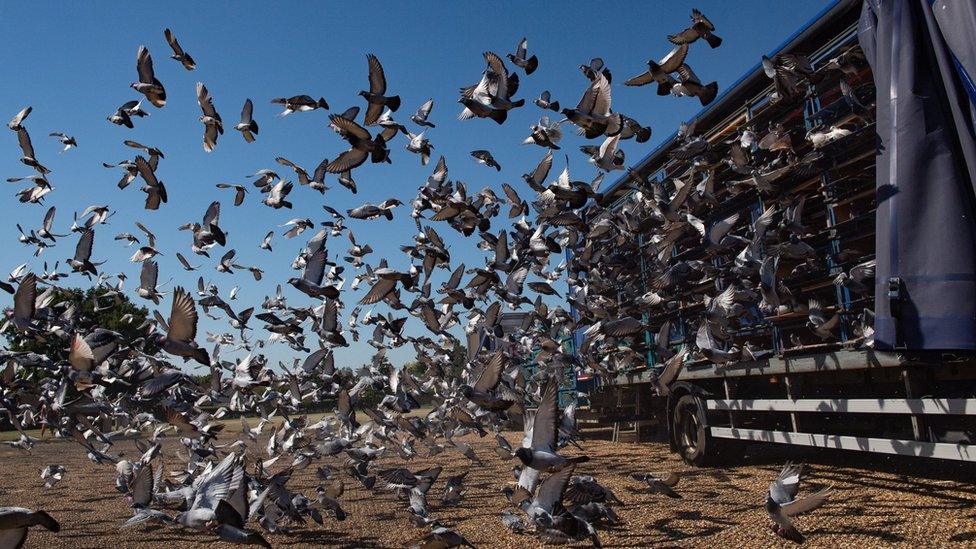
694 443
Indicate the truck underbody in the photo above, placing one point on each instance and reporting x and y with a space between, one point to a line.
921 405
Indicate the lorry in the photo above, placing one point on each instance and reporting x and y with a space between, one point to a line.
859 390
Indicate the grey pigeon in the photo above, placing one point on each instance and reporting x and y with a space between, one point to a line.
782 502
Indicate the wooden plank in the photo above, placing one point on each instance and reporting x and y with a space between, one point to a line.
938 450
918 406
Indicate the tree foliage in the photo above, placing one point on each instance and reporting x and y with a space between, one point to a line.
458 355
115 312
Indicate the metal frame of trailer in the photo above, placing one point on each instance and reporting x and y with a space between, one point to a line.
912 448
916 410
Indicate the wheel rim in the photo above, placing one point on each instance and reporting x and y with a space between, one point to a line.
689 432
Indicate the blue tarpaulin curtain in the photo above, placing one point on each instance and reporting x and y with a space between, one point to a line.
923 55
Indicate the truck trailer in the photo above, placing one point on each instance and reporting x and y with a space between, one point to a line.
891 376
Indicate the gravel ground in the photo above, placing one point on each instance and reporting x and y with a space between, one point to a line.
878 502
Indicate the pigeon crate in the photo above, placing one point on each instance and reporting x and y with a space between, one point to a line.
753 334
831 108
762 112
811 275
855 150
855 234
797 332
814 209
726 129
855 158
801 279
678 334
696 299
854 199
865 90
836 108
841 190
747 205
807 270
688 247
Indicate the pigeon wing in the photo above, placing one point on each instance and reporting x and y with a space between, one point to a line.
25 296
182 317
23 138
379 290
350 127
218 484
552 489
783 490
144 65
142 487
492 372
149 275
684 37
674 59
315 267
398 478
84 248
640 80
672 368
212 216
247 113
377 78
424 110
809 503
173 43
348 160
545 426
146 171
315 359
719 229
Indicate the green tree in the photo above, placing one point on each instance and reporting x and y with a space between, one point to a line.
458 356
415 368
115 312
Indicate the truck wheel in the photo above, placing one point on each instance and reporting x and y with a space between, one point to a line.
695 444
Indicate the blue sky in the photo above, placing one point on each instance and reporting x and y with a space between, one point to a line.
73 63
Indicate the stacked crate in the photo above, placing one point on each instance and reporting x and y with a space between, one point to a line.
838 192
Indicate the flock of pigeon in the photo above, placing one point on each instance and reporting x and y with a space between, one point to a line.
106 390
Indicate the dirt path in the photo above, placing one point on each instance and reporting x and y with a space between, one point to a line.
877 503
